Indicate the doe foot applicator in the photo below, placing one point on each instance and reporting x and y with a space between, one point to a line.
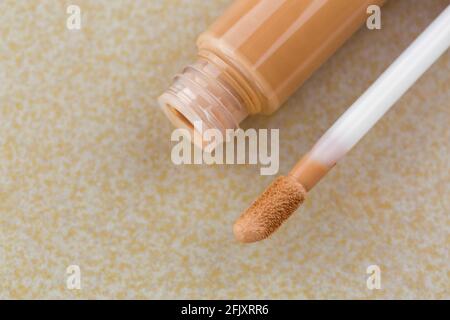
286 194
280 200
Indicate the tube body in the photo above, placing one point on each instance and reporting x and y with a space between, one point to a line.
256 55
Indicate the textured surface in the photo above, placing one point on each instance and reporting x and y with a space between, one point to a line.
86 176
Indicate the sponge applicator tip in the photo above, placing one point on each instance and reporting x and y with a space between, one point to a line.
270 210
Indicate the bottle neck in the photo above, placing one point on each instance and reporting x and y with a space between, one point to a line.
209 91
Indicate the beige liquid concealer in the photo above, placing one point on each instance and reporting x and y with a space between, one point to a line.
255 56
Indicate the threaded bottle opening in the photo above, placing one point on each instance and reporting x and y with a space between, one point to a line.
202 93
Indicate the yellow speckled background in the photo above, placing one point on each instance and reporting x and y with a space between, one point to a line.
86 176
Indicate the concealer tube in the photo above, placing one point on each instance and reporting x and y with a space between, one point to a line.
255 56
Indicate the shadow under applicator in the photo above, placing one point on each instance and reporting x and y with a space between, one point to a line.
287 193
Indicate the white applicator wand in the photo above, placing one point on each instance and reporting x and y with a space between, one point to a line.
286 194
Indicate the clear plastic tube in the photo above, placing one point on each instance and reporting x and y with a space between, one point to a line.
256 55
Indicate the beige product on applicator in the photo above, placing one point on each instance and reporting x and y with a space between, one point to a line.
286 194
255 56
